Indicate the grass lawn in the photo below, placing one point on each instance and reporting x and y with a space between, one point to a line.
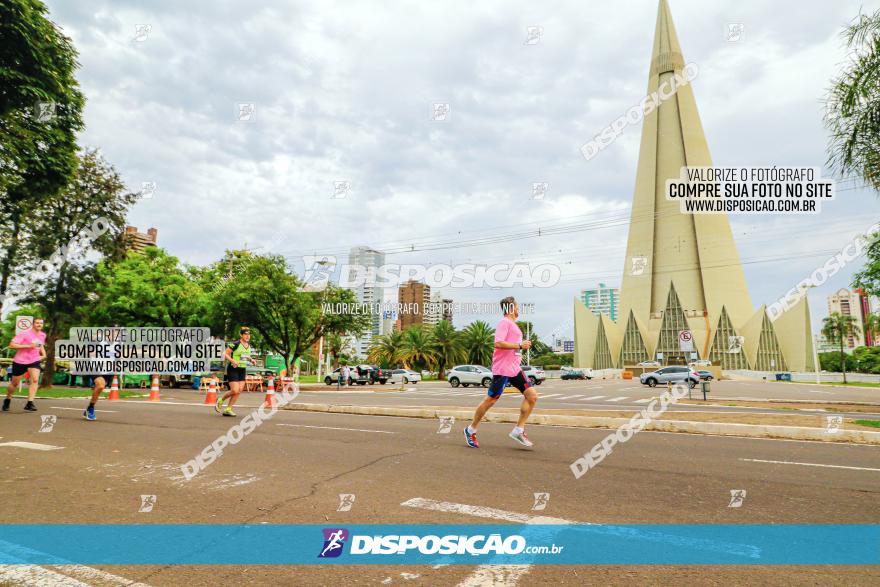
872 423
62 391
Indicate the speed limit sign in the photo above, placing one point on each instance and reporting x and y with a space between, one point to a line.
23 323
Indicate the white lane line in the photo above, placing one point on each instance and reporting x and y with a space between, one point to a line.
571 396
93 576
30 445
35 576
812 465
618 399
78 410
593 397
335 428
546 395
642 401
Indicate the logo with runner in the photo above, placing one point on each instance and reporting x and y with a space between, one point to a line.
47 423
346 501
334 541
318 270
446 424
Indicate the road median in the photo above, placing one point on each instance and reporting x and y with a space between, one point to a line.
795 427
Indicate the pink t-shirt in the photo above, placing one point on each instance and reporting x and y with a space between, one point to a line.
28 356
506 361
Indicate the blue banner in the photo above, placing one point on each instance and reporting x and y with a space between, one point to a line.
580 544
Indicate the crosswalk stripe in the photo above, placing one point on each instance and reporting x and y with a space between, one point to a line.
594 397
617 399
642 401
572 396
546 395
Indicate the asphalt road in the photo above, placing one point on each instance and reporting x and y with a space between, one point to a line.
294 467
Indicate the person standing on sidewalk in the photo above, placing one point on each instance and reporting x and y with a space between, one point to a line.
506 369
30 349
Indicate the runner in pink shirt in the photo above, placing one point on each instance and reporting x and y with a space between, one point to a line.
30 350
506 369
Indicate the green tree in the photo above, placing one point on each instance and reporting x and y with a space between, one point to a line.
836 328
385 349
448 349
40 115
339 348
87 217
265 295
478 340
853 104
417 350
148 288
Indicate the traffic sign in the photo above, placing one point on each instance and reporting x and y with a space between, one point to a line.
686 340
23 323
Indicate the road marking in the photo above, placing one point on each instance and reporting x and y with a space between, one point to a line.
643 401
36 576
618 399
508 575
546 395
335 428
572 396
77 409
93 576
30 445
812 465
593 397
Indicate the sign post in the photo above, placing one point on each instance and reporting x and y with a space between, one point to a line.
22 323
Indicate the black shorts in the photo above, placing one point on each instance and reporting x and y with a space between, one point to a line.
500 381
108 378
235 374
19 369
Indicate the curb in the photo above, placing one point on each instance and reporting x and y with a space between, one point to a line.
714 428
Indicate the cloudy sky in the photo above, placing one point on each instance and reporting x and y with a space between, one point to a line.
345 91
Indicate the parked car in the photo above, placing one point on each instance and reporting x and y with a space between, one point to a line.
378 374
404 376
467 375
672 374
700 363
572 373
648 364
356 374
705 375
535 375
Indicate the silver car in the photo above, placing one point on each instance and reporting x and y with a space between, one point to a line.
466 375
404 376
672 374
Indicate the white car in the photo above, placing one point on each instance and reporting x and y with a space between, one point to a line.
700 363
648 364
535 375
404 376
466 375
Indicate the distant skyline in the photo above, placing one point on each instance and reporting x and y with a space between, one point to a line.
340 99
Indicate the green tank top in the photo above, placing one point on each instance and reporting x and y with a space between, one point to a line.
240 353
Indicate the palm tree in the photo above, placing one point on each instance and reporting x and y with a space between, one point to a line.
337 346
385 349
836 328
478 340
417 347
853 104
448 349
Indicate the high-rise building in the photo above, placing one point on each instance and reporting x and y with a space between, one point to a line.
851 303
413 299
602 300
440 308
364 262
683 294
137 241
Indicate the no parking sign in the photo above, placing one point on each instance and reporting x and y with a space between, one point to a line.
23 323
686 340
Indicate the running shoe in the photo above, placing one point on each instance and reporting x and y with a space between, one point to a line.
6 402
30 407
89 413
471 438
521 438
229 412
218 407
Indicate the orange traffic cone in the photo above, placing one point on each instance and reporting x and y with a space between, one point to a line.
114 389
270 394
154 389
211 396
